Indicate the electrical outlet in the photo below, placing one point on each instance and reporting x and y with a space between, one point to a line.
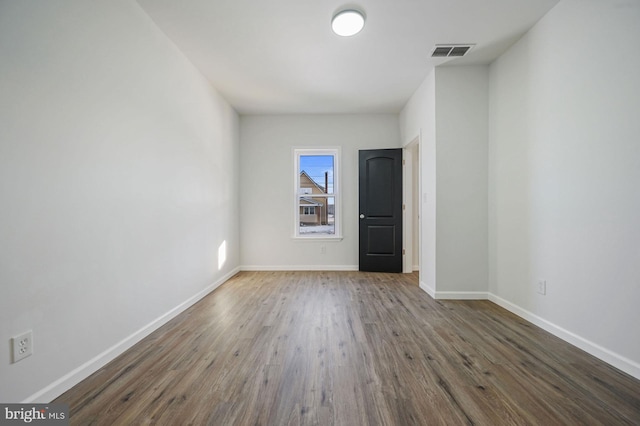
22 345
542 287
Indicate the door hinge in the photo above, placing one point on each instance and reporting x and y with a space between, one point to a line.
404 207
403 162
403 251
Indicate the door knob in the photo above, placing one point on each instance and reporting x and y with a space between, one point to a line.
361 216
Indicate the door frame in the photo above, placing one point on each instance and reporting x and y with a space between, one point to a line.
411 177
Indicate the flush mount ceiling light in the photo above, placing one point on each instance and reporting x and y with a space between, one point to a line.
347 22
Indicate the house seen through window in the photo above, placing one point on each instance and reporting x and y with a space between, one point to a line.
317 193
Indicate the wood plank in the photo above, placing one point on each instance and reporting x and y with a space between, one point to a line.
350 348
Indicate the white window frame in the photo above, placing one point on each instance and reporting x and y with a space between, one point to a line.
336 152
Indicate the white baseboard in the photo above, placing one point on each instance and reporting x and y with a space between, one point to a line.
430 291
66 382
628 366
453 295
461 295
299 268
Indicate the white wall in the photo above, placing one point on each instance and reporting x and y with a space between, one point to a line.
266 185
450 110
118 181
462 110
564 175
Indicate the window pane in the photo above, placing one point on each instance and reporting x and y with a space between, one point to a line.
317 192
316 174
317 215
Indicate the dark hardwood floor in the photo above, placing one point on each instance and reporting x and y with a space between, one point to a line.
351 348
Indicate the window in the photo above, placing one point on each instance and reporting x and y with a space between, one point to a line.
317 194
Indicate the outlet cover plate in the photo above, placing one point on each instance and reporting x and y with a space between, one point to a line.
542 287
22 345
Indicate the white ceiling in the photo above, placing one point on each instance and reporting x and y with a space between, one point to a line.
280 56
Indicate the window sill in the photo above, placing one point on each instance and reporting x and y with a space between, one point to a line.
335 239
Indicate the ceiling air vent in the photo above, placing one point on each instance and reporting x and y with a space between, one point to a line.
450 50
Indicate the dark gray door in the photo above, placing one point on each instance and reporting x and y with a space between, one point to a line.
380 210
